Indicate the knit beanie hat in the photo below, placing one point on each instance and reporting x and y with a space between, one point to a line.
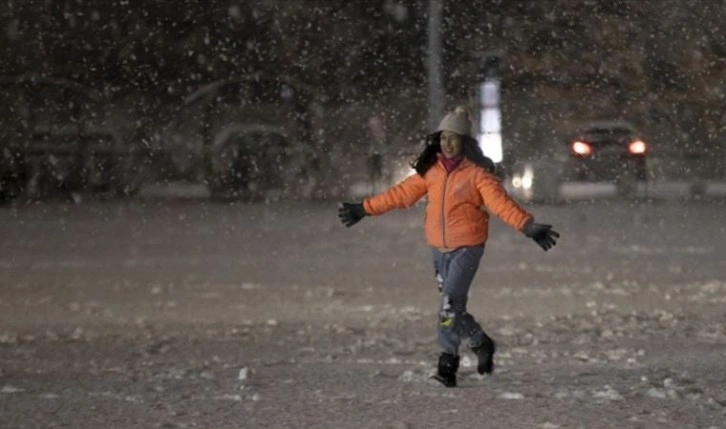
457 121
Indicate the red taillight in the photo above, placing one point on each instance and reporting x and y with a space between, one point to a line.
581 148
637 147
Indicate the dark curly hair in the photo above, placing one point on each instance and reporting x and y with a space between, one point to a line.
469 146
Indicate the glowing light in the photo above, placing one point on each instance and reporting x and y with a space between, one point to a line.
402 172
491 145
490 121
637 147
524 180
581 148
528 177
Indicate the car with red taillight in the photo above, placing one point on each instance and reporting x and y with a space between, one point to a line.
608 151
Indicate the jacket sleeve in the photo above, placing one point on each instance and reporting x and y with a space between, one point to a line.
500 203
402 195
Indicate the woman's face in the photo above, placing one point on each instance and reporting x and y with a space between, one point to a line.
450 144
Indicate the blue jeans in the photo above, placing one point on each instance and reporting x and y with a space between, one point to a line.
457 269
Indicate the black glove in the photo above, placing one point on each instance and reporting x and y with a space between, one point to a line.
351 213
542 234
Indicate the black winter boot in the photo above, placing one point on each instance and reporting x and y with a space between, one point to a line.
485 354
446 373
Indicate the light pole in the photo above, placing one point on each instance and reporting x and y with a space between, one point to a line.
489 133
433 63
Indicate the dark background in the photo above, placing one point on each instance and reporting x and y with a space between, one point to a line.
658 64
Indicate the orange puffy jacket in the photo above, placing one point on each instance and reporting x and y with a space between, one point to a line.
456 212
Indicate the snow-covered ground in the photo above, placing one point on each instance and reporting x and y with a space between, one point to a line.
192 313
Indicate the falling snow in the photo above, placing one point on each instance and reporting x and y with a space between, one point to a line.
170 255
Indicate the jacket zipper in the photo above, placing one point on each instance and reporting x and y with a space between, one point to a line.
443 209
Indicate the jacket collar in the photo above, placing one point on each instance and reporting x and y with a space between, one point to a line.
451 165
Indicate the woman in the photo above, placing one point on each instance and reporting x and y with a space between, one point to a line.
461 189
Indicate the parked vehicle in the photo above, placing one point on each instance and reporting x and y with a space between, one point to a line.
608 152
56 139
600 152
257 162
243 138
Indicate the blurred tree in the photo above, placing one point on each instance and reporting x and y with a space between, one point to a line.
625 50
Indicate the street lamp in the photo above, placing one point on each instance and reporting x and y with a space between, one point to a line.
489 133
